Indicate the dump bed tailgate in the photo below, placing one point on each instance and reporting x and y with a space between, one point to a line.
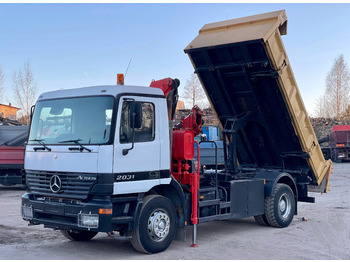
340 136
245 72
11 156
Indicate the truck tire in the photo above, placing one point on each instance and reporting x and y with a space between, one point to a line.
78 235
261 220
156 225
280 206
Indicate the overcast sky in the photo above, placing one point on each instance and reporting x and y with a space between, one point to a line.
76 45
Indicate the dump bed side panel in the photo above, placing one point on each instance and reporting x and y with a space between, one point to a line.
297 111
254 78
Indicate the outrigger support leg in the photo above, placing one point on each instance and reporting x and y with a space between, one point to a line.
194 236
194 191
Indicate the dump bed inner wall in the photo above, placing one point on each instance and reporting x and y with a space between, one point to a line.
238 78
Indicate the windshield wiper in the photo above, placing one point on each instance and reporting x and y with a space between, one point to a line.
41 143
76 141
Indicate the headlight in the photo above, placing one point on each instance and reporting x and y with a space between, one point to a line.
27 212
88 220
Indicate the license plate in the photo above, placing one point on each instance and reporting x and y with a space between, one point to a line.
54 209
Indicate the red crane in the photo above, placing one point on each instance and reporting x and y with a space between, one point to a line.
183 144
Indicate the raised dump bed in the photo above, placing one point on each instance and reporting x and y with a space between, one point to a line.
13 135
245 72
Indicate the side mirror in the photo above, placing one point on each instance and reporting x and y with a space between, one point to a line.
31 112
135 119
135 114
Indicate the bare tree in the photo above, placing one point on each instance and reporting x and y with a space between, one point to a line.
347 113
319 111
1 85
322 107
338 88
193 93
25 90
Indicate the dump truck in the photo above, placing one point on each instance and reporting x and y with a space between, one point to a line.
102 159
339 144
12 140
339 141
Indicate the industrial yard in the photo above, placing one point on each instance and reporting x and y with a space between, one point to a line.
105 173
324 234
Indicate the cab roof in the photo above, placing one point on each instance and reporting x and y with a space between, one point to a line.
113 90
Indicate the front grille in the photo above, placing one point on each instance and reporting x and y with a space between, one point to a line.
73 185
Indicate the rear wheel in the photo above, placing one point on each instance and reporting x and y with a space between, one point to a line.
280 206
156 227
261 220
78 235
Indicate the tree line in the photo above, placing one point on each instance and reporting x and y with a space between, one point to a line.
23 88
335 102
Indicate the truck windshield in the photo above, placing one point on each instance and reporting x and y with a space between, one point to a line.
84 119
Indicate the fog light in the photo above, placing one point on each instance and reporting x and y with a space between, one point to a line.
27 212
88 220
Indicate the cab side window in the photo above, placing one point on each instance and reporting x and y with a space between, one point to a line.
143 134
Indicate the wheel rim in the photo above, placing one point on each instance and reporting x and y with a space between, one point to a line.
158 225
284 206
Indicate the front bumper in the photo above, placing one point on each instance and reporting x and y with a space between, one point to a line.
10 174
343 153
10 179
67 215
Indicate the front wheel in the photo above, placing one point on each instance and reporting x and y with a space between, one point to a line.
156 227
280 206
78 235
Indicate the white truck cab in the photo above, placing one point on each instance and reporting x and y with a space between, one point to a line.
92 154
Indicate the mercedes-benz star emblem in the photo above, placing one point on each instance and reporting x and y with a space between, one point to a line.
55 184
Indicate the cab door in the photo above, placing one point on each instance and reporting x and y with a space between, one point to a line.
137 149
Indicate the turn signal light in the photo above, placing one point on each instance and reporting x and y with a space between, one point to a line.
105 211
120 79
